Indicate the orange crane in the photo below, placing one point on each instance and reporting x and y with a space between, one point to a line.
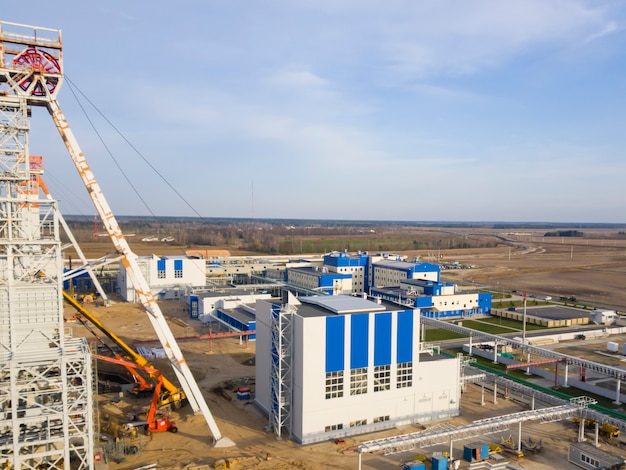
142 386
172 396
154 422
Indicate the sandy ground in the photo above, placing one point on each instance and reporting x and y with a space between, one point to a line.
592 270
245 424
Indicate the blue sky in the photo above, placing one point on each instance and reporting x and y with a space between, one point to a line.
425 110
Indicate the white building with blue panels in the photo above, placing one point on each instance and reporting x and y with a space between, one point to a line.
389 272
331 366
365 271
167 274
437 299
356 265
320 279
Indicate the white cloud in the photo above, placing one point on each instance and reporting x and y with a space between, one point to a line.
609 28
299 79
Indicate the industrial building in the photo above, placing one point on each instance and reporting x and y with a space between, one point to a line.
167 276
437 299
320 279
330 366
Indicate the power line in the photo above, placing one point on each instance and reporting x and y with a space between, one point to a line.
108 150
187 203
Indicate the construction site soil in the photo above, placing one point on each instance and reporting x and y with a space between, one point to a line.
592 270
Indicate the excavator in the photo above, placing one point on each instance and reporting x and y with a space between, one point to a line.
154 422
169 396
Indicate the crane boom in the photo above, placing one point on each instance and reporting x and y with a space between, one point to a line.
138 359
129 260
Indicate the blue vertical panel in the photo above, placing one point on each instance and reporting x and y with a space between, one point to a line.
404 346
335 343
359 340
382 339
178 265
161 265
193 306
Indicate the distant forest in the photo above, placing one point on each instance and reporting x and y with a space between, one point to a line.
296 236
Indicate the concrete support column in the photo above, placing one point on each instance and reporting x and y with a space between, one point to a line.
482 394
519 437
581 430
495 393
566 373
618 389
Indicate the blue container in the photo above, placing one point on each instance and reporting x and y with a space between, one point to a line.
414 466
476 451
440 462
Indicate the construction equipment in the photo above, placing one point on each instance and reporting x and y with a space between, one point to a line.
171 396
531 445
142 386
605 429
154 422
608 430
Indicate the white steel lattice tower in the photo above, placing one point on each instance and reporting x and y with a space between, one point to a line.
45 375
281 369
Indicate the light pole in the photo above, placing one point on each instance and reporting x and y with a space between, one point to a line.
524 332
524 320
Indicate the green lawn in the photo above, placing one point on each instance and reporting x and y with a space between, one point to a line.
491 325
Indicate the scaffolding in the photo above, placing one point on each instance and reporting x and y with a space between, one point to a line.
46 380
281 368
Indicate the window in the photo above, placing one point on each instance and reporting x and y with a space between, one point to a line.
360 422
178 269
333 427
380 419
161 274
334 385
589 460
405 375
382 378
358 381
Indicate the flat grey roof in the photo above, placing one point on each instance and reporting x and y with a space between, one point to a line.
392 263
229 292
311 270
343 303
239 314
556 312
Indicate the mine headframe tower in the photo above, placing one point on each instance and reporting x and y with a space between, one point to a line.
46 414
31 72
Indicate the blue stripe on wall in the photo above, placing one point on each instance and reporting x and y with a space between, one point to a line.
161 265
382 339
335 343
405 337
359 339
178 264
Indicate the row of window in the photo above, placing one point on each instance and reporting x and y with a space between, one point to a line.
359 380
354 424
458 302
178 274
589 460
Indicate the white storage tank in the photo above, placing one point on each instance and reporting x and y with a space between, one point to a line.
612 347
